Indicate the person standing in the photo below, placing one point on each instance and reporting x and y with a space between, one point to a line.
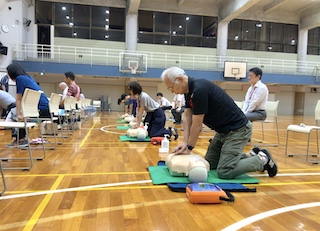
207 103
155 118
254 106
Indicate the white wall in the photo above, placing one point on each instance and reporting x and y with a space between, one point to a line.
18 33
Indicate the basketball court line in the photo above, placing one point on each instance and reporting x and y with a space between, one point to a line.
87 135
5 197
249 220
45 201
146 172
235 226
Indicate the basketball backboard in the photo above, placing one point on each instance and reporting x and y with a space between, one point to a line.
235 70
132 62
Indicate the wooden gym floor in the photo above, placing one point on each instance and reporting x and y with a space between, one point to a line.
95 182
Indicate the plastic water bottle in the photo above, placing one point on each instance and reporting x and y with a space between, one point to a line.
146 126
165 144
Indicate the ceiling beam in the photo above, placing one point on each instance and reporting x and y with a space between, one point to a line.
133 6
231 9
273 5
310 19
180 2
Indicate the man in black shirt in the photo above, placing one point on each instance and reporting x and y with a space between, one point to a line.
209 104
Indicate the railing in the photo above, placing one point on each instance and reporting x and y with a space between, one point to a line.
110 57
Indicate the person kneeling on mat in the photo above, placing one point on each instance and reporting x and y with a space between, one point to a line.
207 103
155 117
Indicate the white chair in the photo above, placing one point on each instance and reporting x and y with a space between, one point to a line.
317 113
3 179
272 117
304 129
67 111
29 109
239 104
96 104
54 103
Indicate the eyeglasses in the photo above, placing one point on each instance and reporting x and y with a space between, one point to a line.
171 88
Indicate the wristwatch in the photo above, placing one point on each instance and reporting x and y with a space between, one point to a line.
190 147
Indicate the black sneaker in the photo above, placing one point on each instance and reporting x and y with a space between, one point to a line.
271 165
175 133
254 151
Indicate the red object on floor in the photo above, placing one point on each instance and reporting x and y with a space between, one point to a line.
156 140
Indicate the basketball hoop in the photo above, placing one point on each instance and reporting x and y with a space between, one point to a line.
236 76
133 69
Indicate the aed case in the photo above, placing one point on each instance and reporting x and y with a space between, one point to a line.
204 193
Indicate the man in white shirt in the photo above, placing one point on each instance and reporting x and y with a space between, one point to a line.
178 107
256 97
164 103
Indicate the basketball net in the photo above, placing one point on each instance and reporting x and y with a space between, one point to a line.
133 69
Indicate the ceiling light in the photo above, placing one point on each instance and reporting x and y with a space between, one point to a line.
64 8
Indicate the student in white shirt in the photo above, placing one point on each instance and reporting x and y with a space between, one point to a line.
178 107
164 103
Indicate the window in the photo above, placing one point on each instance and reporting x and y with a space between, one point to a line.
100 16
43 12
194 25
276 32
145 21
81 15
63 14
178 25
117 18
162 22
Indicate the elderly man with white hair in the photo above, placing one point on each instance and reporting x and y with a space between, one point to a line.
207 103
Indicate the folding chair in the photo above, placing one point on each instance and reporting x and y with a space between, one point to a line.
96 104
67 112
3 179
239 104
272 117
304 129
29 108
55 115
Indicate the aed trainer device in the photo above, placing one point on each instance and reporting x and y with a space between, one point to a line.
206 193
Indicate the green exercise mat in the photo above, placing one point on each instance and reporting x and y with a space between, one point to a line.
133 139
122 127
121 121
161 175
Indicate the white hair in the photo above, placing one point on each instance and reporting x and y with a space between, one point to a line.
62 85
172 73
